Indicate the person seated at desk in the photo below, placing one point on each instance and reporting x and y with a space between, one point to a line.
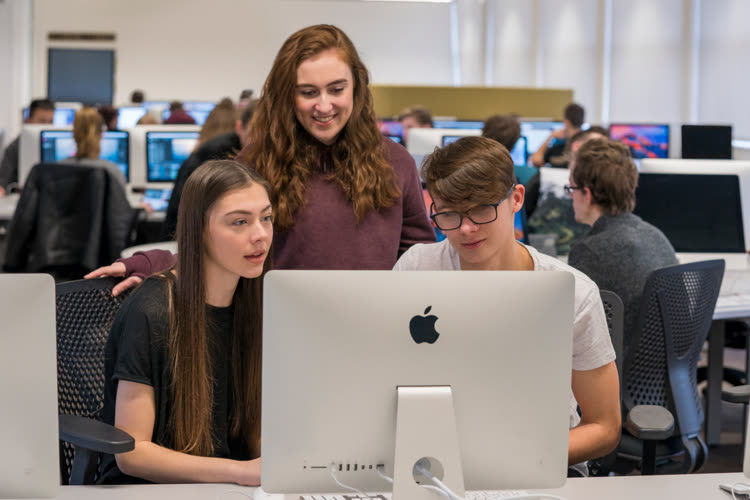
414 117
178 115
621 250
553 149
219 147
183 359
474 201
40 111
87 133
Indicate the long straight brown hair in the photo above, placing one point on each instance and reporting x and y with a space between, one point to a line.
190 362
287 155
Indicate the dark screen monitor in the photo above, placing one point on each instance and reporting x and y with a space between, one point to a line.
58 145
128 116
697 213
707 142
165 152
461 124
396 138
644 140
81 75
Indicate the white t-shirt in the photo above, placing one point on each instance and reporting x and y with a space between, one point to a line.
592 346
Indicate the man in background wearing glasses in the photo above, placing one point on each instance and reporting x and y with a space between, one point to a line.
475 199
621 250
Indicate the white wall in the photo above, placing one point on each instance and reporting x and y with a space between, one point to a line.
207 50
569 48
196 50
514 47
725 64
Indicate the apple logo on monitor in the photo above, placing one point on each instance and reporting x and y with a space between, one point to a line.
422 328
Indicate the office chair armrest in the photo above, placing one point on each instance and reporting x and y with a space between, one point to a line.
93 435
650 422
737 394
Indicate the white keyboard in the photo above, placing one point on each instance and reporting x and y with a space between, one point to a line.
470 495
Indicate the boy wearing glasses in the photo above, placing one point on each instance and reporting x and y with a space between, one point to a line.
621 250
472 185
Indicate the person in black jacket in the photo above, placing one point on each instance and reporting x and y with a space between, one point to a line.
221 147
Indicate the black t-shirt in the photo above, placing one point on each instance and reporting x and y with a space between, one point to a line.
136 351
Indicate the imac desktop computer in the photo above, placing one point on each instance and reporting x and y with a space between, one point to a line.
165 152
397 372
30 462
57 145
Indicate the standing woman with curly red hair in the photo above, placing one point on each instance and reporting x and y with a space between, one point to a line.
346 197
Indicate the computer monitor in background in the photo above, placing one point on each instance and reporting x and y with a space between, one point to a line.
58 145
165 152
128 116
536 132
29 151
157 199
707 142
644 141
381 341
198 110
29 462
518 153
396 138
700 205
460 124
156 104
62 117
391 127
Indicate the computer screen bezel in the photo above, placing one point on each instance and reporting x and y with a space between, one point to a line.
664 126
151 133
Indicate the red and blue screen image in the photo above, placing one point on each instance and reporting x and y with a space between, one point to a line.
644 141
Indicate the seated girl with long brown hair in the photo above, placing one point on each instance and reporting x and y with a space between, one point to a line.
183 359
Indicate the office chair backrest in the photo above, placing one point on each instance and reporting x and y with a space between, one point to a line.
675 316
614 311
85 311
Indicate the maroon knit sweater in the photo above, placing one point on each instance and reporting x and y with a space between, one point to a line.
325 234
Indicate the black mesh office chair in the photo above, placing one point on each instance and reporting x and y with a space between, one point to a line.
85 311
614 311
660 367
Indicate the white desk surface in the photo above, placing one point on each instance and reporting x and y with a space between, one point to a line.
687 487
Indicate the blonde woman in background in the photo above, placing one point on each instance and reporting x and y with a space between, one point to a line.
221 120
87 132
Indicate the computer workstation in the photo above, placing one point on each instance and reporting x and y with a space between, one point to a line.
388 388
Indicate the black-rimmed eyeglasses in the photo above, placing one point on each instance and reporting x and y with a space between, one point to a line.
569 188
480 214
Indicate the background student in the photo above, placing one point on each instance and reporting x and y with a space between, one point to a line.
621 250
